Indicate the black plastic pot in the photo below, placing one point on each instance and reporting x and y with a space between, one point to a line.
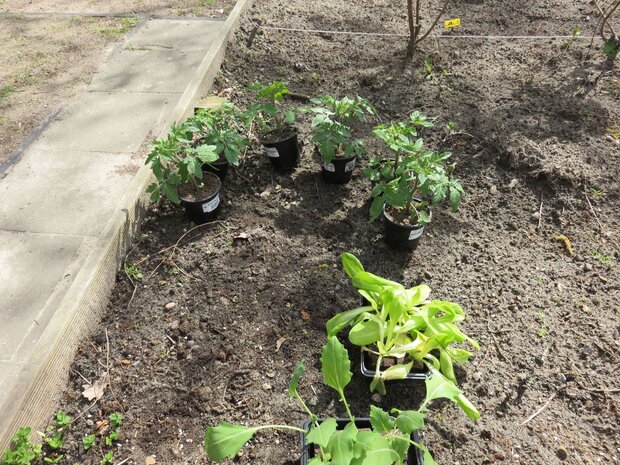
369 372
283 154
414 457
401 236
206 209
217 167
339 171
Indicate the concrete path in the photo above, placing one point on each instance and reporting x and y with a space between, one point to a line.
69 206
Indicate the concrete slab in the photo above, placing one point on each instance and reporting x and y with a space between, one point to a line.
148 69
106 122
31 267
67 192
178 34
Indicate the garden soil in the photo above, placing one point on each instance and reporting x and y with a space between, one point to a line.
207 323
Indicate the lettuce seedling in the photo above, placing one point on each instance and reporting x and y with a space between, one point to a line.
401 323
387 443
414 177
332 125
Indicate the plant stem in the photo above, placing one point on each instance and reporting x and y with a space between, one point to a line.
346 405
292 428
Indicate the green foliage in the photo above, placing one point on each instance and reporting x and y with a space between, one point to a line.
414 178
268 113
107 459
176 161
402 324
116 420
89 441
221 127
332 125
611 48
22 451
387 443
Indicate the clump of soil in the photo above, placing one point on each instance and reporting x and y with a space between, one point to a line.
214 329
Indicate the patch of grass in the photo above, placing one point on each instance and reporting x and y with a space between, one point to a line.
133 272
605 260
2 120
122 26
202 3
5 91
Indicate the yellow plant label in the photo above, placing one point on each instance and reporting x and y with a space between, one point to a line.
453 23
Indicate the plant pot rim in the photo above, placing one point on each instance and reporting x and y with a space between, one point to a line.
342 159
292 134
369 373
408 226
202 199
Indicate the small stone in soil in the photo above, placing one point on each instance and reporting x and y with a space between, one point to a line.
267 386
587 267
170 306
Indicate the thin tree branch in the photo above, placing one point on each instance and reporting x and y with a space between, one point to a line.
441 12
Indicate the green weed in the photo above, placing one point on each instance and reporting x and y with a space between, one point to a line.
7 90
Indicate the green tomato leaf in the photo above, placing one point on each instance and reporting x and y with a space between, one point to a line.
321 434
292 387
380 420
335 365
226 440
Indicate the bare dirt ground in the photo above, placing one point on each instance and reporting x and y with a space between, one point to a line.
212 329
44 60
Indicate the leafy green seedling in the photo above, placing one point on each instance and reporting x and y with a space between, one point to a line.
175 162
388 442
273 121
401 324
333 122
221 127
21 451
107 459
116 420
414 177
89 441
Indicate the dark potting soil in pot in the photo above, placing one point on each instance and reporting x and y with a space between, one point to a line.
209 186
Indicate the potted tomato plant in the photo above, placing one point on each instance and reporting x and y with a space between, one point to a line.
275 124
222 127
409 182
387 438
332 126
177 166
402 327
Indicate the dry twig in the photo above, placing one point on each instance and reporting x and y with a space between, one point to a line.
539 411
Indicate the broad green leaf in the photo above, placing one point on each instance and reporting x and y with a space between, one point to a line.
467 407
292 387
335 365
376 208
378 450
321 434
373 283
417 295
380 420
351 264
445 362
377 385
365 333
396 372
226 440
206 153
341 443
437 386
170 191
339 321
315 461
409 421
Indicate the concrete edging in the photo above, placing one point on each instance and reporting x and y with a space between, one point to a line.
35 394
